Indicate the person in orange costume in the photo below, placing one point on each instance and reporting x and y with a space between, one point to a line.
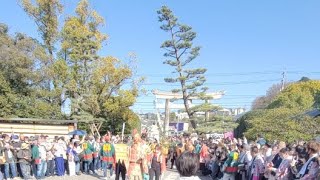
203 155
137 161
164 154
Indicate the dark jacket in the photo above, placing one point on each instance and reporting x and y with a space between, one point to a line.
22 153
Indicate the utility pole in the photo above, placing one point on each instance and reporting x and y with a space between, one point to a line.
283 80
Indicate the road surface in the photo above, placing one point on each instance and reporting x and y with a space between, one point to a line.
169 175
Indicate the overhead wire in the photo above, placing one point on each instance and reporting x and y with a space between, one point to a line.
220 83
235 74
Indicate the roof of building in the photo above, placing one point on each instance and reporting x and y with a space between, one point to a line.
35 120
313 113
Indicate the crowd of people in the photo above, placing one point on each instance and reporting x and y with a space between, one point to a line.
38 157
230 159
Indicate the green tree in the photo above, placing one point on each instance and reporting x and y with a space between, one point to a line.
282 124
302 95
45 14
262 102
304 79
95 83
284 119
21 78
180 52
217 124
81 40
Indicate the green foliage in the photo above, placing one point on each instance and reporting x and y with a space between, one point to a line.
304 79
262 102
179 53
205 107
283 118
217 124
36 79
45 14
280 124
95 83
22 89
301 95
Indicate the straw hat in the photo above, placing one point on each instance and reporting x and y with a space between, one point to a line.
24 146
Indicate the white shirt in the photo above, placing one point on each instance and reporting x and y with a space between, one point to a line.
60 148
42 152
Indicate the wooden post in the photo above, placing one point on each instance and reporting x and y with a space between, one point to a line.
97 130
75 125
122 133
167 117
207 113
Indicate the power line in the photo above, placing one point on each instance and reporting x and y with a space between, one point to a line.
198 103
220 74
214 101
235 74
221 83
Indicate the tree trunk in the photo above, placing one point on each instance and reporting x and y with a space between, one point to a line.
186 105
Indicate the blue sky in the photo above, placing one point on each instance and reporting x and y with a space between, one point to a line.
245 44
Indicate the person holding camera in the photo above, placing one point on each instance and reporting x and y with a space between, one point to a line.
282 172
299 159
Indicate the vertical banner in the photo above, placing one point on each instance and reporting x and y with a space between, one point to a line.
122 133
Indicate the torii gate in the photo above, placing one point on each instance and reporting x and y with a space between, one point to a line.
169 95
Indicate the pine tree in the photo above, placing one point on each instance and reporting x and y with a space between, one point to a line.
179 53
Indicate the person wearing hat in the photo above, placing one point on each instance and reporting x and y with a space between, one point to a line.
230 166
137 161
16 143
24 159
108 156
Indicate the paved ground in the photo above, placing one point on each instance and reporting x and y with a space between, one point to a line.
169 175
